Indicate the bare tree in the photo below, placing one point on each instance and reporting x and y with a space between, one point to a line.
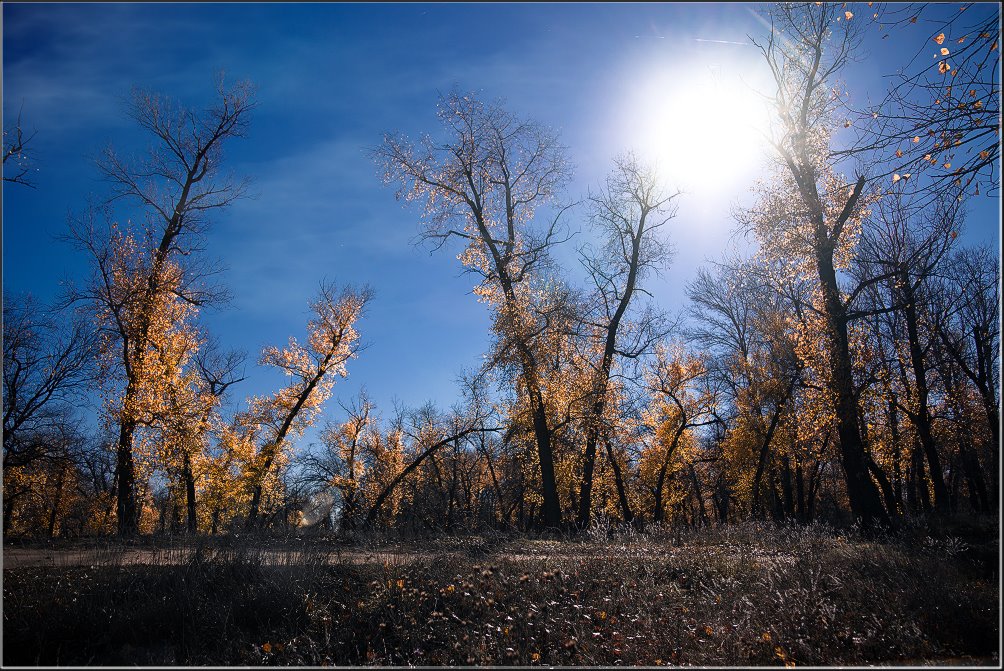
17 165
47 366
908 245
627 215
483 186
136 273
969 329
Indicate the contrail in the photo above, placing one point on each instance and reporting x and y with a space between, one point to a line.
743 44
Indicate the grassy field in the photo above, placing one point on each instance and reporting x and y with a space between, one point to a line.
738 596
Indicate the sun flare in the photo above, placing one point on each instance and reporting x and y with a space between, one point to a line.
703 123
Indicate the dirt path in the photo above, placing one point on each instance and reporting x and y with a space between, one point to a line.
14 558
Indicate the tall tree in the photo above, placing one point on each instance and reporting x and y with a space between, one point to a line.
810 214
483 185
143 272
627 216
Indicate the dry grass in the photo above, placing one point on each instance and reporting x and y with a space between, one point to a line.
737 596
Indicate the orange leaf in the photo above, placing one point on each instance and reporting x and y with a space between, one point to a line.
944 67
899 153
895 178
945 51
916 139
848 15
940 38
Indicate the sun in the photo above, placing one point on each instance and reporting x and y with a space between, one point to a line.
703 123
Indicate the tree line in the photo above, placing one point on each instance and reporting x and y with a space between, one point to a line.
846 368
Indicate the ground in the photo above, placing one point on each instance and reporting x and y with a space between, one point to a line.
737 596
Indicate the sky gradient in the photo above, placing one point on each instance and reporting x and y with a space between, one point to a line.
332 78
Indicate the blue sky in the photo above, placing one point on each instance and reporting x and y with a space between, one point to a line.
332 78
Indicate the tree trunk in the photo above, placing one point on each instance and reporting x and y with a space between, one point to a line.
57 501
762 458
810 499
128 518
884 485
545 454
192 519
923 499
787 488
922 415
619 482
897 468
252 520
862 494
697 493
974 474
800 512
657 512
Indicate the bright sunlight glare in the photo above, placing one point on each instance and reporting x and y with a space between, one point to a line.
702 122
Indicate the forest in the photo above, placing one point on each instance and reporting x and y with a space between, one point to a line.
832 396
